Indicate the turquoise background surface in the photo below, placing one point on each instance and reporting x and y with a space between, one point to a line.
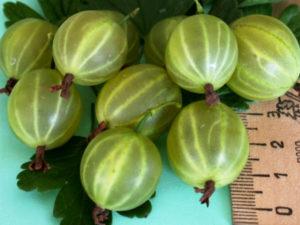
175 202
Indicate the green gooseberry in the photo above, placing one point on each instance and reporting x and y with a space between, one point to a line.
89 48
41 119
208 146
201 50
120 169
141 97
25 46
133 36
157 40
269 58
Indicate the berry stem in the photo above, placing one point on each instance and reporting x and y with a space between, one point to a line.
9 86
131 15
100 216
101 127
200 9
208 190
39 163
211 97
64 86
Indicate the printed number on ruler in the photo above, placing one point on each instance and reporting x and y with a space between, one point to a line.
268 190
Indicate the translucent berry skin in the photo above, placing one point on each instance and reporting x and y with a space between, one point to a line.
133 37
269 58
157 40
26 46
142 97
120 169
202 49
208 143
91 47
39 117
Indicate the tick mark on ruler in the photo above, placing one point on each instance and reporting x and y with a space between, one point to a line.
243 176
258 144
243 212
251 128
260 175
242 198
263 209
245 223
242 184
252 114
241 191
241 194
253 159
241 201
240 218
238 188
246 208
244 204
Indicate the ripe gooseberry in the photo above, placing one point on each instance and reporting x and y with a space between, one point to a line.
269 58
207 146
133 37
40 119
202 49
88 49
141 97
157 40
120 169
25 46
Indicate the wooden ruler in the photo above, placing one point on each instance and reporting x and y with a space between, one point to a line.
268 190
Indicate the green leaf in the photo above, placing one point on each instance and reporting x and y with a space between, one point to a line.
73 205
289 13
150 11
235 101
227 10
228 97
291 17
64 161
140 212
56 11
246 3
265 9
15 11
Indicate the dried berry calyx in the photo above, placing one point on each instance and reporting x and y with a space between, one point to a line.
39 163
64 86
9 86
207 192
100 216
211 97
99 129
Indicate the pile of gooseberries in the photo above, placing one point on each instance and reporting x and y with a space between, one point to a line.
207 142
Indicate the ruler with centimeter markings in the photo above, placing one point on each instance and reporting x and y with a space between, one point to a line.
268 190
